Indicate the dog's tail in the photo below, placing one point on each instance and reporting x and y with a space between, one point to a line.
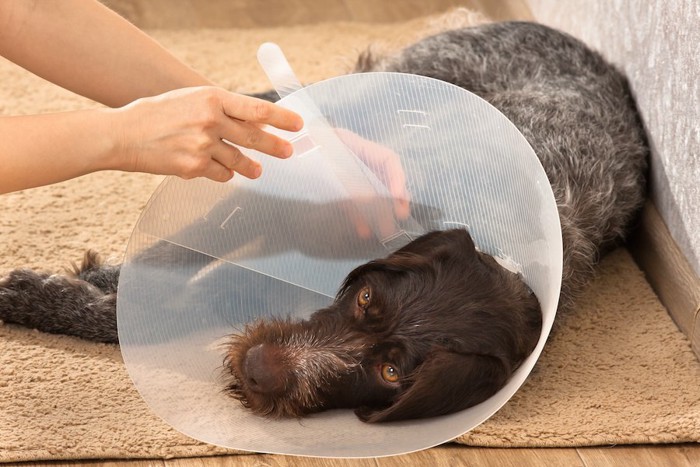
81 303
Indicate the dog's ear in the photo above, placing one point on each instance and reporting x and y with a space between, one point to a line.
446 382
451 242
454 245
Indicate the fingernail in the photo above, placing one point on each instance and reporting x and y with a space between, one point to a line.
404 209
299 124
363 231
257 171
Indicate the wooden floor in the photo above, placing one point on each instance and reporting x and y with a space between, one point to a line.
231 13
677 455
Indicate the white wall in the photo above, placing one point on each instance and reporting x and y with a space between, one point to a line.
657 44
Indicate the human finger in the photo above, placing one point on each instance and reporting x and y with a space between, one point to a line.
396 179
359 221
232 158
385 164
253 137
254 110
217 172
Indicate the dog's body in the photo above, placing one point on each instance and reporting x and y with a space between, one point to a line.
437 326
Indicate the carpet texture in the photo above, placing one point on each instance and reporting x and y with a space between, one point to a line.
617 371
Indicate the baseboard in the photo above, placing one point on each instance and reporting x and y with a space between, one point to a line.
668 272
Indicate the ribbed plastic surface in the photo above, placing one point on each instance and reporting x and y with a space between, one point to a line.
206 258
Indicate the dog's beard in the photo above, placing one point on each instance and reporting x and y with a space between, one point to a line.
308 366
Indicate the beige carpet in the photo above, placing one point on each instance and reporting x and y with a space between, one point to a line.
618 372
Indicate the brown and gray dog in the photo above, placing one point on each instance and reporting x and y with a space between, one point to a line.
437 326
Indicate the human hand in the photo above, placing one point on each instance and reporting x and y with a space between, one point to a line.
190 133
386 166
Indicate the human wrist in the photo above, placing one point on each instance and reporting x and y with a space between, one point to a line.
114 151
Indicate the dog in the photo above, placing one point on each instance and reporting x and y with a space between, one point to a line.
437 326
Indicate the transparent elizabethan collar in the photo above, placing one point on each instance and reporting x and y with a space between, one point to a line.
383 158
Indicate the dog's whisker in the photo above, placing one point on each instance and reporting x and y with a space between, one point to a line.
439 306
437 326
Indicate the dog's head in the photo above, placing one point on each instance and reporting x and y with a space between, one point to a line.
434 328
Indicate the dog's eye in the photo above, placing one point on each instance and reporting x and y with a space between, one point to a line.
364 297
389 373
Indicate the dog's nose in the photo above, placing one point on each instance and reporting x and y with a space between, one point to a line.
264 370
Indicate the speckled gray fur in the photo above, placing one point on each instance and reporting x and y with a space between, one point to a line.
574 108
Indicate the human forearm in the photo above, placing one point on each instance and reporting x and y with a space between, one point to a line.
156 127
182 132
41 149
88 49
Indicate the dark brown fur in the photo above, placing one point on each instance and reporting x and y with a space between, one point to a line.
442 326
440 313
